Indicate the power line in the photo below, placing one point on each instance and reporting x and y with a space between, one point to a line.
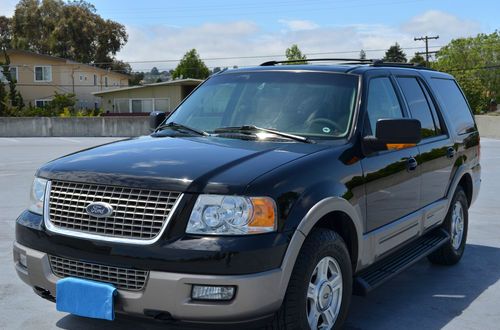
221 58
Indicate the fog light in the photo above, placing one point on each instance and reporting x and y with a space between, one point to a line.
22 260
206 292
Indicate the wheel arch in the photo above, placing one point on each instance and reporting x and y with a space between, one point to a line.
333 213
466 183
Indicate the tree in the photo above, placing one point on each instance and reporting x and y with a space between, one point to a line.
191 66
294 54
418 60
136 78
362 55
395 54
120 66
474 63
154 71
70 30
5 32
12 96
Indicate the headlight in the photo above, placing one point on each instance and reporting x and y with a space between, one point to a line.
37 196
232 215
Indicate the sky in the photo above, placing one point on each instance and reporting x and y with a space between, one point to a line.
248 32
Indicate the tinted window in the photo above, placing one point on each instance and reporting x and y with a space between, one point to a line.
313 104
382 102
455 105
417 102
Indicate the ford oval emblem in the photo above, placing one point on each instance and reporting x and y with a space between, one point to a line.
99 209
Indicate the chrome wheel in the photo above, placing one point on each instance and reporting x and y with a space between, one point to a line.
324 294
457 225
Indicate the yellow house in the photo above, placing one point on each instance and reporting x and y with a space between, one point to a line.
162 96
39 77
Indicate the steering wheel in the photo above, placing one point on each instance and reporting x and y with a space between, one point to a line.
327 123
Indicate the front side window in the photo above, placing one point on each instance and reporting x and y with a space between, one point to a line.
312 104
43 73
418 105
382 102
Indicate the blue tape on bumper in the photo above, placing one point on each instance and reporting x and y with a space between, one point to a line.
85 298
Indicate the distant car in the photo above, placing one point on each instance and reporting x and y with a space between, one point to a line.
270 195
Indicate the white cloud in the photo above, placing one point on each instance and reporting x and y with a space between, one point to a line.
298 25
246 39
447 26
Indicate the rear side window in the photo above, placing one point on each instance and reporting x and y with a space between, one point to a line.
456 107
382 102
419 107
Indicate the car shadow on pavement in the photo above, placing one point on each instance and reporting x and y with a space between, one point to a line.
425 296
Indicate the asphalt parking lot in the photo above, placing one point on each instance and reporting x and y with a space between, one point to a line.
466 296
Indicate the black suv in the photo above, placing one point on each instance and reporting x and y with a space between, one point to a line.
270 194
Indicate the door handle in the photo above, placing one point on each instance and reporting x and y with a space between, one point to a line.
411 164
450 153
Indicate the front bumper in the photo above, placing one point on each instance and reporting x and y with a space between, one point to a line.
257 295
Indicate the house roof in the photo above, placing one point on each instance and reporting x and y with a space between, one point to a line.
65 60
178 82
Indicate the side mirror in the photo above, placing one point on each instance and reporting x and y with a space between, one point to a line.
156 118
394 134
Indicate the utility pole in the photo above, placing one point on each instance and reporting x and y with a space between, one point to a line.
426 39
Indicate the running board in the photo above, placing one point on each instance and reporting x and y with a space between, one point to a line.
383 270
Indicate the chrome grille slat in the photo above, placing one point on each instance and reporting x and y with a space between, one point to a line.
139 214
121 278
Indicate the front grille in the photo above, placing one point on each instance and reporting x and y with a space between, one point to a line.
121 278
139 214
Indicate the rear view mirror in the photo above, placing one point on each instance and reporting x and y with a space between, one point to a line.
156 118
394 134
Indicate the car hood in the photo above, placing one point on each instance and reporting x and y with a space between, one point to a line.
186 164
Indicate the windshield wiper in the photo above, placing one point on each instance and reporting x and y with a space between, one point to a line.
178 126
252 128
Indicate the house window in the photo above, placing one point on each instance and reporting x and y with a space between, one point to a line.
81 77
42 103
43 73
13 74
105 81
141 105
162 105
95 80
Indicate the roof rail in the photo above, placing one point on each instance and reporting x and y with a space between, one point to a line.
350 60
380 63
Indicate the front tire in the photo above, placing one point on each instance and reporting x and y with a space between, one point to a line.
320 288
456 224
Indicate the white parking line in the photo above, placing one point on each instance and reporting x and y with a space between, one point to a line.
9 139
17 163
70 140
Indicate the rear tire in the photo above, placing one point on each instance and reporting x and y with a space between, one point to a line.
456 224
320 286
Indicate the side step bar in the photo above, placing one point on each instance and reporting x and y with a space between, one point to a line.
383 270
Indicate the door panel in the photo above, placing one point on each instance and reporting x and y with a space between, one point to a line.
436 164
392 190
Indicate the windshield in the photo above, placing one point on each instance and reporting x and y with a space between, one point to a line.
312 104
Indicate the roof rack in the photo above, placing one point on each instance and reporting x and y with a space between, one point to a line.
352 61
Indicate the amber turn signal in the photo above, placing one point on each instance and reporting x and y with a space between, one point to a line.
264 215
